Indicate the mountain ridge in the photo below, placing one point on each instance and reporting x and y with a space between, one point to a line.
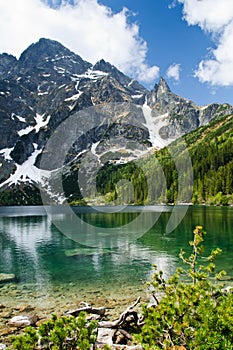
49 84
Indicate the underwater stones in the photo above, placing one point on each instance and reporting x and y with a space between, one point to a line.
86 251
6 277
24 308
6 314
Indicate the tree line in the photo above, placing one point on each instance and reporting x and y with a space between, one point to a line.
156 179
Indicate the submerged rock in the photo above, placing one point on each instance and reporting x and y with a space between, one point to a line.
86 251
6 277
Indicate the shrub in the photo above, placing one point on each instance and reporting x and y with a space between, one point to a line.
191 309
59 333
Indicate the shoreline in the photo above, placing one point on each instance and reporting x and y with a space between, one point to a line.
18 302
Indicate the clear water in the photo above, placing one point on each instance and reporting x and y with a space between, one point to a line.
50 266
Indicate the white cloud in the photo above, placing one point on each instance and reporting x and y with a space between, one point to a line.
172 4
173 71
217 19
88 28
210 15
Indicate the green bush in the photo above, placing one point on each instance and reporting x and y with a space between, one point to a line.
191 309
59 333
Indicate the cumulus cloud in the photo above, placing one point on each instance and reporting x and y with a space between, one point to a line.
86 27
215 18
173 71
208 14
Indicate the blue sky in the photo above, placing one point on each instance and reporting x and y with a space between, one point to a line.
170 41
188 42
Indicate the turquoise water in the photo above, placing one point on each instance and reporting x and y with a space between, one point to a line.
47 263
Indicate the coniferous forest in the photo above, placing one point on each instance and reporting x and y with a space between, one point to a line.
159 178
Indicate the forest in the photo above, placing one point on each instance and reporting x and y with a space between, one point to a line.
196 168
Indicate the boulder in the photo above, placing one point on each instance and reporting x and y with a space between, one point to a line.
105 336
23 321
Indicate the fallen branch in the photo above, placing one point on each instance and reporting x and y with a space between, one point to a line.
114 334
122 319
88 309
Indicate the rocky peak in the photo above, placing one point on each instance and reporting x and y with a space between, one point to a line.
7 62
106 67
130 84
163 86
48 53
43 49
161 89
103 66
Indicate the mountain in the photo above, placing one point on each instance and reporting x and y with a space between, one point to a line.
90 115
195 168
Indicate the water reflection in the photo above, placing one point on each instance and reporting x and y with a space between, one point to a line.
37 252
20 238
105 229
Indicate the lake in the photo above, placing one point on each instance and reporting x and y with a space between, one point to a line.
61 255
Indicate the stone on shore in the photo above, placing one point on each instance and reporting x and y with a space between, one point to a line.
105 336
23 321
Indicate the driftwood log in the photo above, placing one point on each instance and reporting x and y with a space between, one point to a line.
88 309
129 315
113 333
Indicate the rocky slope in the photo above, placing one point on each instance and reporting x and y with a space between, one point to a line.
60 113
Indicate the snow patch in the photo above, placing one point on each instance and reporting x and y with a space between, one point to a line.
74 97
27 172
61 58
60 70
77 85
92 100
131 82
40 122
90 74
137 96
21 119
6 153
42 93
93 150
25 131
154 124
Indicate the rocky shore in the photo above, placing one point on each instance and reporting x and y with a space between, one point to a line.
19 303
